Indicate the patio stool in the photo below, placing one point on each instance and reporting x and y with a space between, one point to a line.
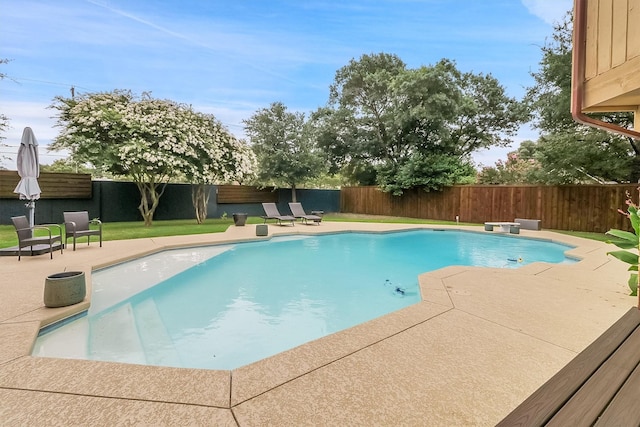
262 230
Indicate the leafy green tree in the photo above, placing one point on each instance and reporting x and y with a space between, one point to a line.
583 156
66 165
582 152
284 148
412 128
550 97
148 140
333 133
520 167
554 160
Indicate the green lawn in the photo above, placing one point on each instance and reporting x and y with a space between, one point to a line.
137 230
586 235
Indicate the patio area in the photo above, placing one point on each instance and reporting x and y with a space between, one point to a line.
479 343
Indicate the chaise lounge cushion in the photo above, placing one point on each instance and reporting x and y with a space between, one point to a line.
271 212
298 211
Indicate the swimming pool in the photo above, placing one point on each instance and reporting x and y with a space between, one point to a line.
225 306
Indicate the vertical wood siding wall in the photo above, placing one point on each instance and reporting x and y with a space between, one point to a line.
613 35
573 207
612 55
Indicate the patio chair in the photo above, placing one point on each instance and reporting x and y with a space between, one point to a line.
298 212
271 212
26 237
76 225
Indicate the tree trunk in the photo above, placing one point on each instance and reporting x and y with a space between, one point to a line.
293 193
200 198
149 199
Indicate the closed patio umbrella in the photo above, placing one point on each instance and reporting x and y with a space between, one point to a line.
29 171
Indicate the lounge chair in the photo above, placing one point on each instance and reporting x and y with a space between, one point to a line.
27 239
298 212
271 212
76 225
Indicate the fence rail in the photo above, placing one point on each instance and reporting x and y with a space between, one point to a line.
590 208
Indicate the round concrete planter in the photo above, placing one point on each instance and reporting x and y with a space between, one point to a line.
62 289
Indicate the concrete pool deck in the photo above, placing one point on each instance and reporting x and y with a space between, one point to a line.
478 344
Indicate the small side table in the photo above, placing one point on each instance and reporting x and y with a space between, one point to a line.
319 213
262 230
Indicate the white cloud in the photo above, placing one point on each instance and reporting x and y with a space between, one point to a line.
550 11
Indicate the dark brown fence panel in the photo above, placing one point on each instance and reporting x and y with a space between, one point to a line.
65 186
571 207
245 194
53 185
8 181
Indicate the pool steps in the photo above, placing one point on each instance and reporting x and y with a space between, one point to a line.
139 327
153 334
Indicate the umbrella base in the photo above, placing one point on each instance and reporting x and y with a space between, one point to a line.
37 250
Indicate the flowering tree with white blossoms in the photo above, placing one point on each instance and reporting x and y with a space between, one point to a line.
151 141
227 160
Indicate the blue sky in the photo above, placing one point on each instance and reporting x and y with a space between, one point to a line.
231 58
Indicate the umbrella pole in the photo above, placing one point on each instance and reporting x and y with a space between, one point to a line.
32 214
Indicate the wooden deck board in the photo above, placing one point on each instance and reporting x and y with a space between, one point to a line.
594 396
545 402
624 407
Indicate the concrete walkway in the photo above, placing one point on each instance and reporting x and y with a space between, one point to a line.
480 342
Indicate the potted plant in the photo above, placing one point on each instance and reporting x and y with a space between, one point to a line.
626 240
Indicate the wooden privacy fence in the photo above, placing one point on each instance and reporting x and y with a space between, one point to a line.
571 207
245 194
53 185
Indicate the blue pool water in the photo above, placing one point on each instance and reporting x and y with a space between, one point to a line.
229 305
